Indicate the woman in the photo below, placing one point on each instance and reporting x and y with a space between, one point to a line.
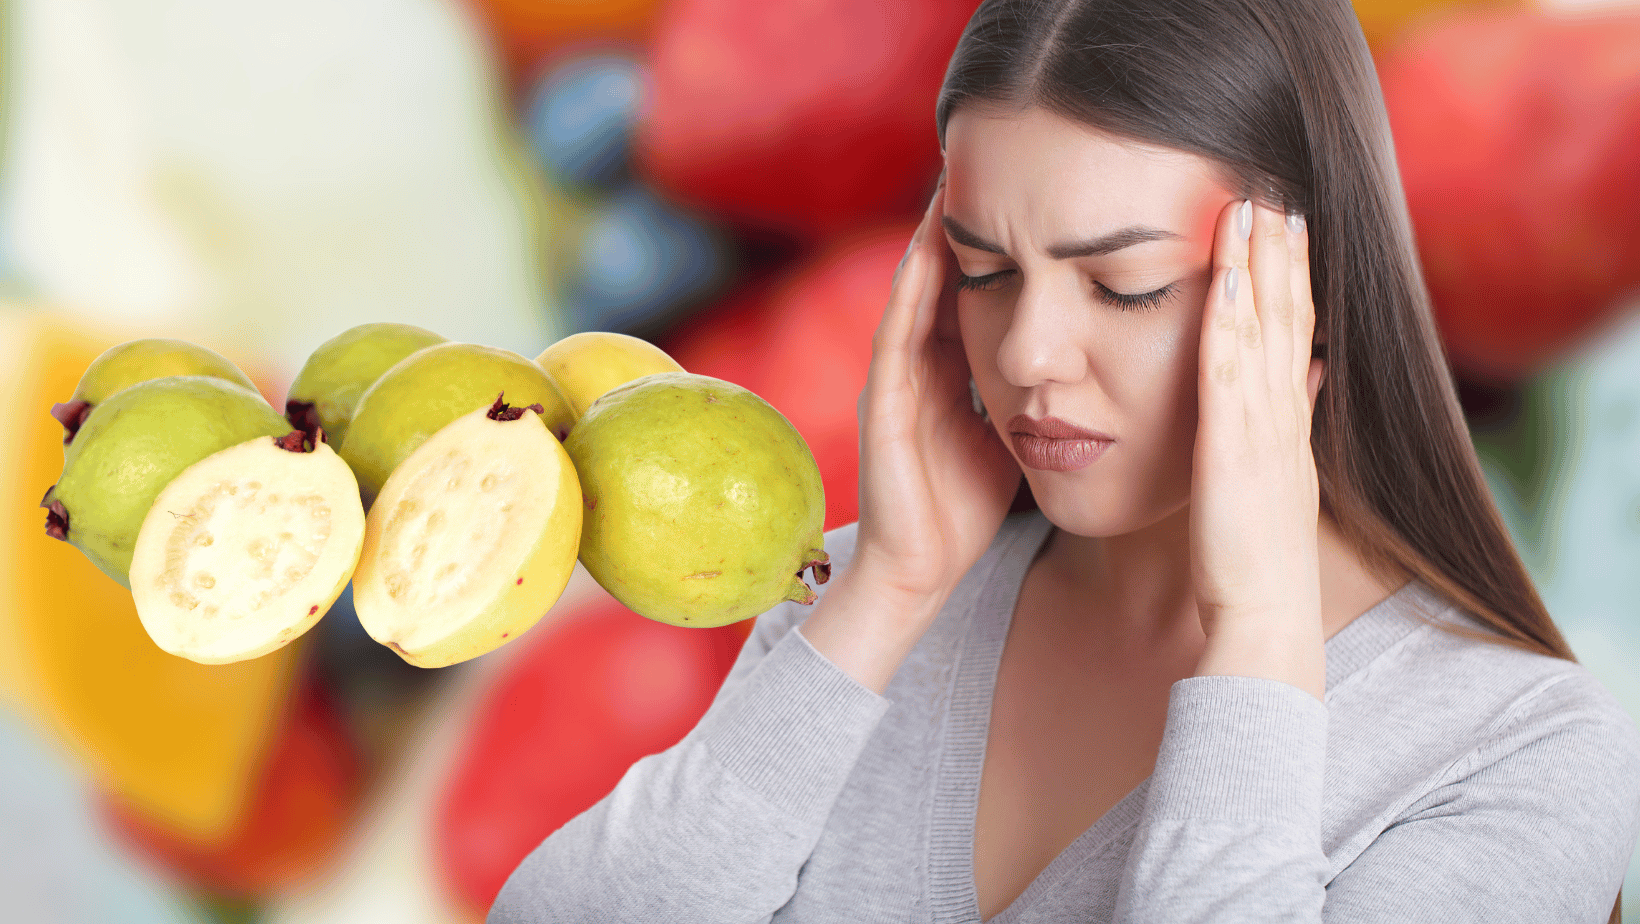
1232 670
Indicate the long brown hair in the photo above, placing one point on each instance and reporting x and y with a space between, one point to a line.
1283 97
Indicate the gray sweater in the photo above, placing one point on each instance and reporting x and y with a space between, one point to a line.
1444 780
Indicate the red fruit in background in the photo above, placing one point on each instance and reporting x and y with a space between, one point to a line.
725 341
805 116
816 352
803 344
298 815
1518 136
596 690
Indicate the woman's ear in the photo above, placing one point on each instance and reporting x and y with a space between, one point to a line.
1312 383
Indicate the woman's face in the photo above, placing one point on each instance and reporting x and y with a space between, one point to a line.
1085 263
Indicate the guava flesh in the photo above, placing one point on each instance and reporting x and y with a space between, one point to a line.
472 539
245 550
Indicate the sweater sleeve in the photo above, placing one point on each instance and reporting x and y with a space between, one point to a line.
1231 829
1538 824
717 827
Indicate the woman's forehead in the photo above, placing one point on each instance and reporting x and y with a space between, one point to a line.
1033 173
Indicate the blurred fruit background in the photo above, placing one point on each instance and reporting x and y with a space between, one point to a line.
734 180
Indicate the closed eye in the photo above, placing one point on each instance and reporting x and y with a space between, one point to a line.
1142 301
966 283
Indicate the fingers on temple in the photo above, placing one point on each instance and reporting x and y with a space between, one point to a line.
1298 252
1271 267
1229 321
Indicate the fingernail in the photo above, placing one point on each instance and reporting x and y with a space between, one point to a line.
1244 219
1230 284
1295 223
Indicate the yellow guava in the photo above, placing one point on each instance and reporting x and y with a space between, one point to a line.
119 367
703 504
337 373
432 387
131 448
588 364
471 540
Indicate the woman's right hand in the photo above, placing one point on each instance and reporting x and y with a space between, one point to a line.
935 479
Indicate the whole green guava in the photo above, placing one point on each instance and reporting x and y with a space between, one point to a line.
119 367
703 503
432 387
336 374
129 450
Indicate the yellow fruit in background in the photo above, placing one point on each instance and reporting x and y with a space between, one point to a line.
587 365
177 740
1384 20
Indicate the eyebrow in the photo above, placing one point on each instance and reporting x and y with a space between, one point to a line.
1093 247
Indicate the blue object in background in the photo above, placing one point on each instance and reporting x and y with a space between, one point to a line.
642 263
580 119
1580 533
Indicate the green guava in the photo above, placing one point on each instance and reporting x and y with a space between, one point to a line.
432 387
703 503
129 450
336 374
120 367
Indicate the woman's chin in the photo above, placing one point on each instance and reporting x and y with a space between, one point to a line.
1095 514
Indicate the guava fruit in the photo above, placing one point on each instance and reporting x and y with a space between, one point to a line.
431 387
471 540
703 504
120 367
586 365
337 373
247 548
74 659
129 450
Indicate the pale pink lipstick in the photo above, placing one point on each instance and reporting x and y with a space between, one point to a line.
1052 445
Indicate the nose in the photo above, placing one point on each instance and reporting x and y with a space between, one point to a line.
1039 346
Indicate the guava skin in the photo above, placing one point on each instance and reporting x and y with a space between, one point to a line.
702 503
432 387
335 376
589 364
119 367
131 448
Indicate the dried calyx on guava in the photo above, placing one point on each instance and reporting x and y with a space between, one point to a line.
588 364
703 503
120 367
337 373
472 538
133 446
246 549
430 388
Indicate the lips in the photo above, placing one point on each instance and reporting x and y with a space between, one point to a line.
1052 445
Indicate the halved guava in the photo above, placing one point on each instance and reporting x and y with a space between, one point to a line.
472 539
247 548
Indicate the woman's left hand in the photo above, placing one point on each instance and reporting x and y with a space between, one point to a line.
1254 493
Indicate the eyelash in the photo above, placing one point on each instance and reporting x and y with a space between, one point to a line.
1143 301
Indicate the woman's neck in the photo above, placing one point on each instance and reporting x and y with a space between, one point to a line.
1134 592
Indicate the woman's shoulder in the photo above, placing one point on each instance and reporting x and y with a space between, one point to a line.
1456 684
